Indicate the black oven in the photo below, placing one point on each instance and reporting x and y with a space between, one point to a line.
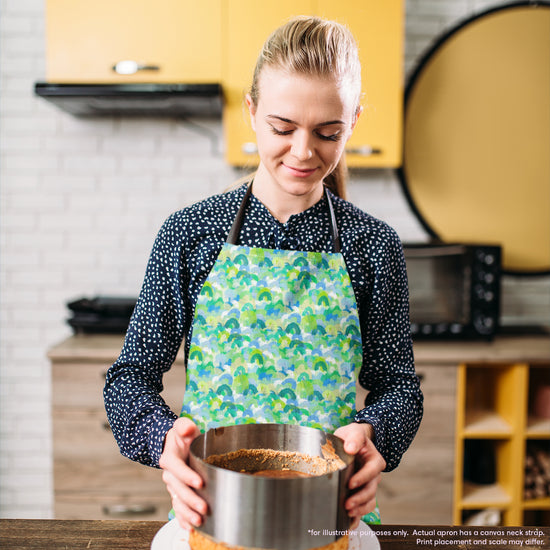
454 290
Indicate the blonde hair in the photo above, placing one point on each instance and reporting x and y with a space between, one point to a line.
309 45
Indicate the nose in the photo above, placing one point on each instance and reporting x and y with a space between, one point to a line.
301 147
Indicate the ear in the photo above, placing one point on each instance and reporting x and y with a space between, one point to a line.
358 111
251 110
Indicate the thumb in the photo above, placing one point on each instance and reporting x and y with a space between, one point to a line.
186 429
354 437
353 444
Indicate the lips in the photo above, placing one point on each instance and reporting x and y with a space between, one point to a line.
299 172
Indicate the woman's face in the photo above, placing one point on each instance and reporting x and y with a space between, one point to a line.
302 124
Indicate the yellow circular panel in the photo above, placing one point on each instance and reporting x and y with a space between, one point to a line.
477 136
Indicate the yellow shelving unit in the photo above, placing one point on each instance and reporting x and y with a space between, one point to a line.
495 417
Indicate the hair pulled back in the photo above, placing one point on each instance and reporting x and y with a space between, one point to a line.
312 46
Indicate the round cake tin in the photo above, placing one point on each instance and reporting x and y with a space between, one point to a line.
295 513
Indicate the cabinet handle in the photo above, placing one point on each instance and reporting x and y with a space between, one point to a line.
249 148
131 67
364 150
129 509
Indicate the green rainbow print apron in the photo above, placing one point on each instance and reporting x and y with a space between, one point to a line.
276 338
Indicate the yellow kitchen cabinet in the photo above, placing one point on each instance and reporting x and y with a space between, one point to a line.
378 29
174 41
496 424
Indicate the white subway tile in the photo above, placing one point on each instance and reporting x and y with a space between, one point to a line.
97 165
138 164
21 144
433 8
70 125
16 66
126 143
13 24
23 7
21 45
22 164
70 144
29 124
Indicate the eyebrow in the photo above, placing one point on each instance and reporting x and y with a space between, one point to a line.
289 121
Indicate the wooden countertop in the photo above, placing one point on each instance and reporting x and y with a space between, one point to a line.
21 534
531 349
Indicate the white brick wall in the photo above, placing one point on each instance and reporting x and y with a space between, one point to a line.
81 202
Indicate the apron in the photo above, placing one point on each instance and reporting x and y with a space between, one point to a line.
275 338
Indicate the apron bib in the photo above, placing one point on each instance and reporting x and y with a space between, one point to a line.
276 338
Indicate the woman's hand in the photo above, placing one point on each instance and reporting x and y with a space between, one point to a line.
180 479
364 482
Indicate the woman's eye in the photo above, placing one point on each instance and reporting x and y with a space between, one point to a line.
280 131
330 137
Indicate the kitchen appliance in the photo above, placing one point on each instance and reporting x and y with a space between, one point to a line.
269 512
454 290
101 314
136 99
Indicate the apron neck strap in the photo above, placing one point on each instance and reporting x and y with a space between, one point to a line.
233 236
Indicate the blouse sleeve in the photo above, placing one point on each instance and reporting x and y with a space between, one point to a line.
138 416
394 404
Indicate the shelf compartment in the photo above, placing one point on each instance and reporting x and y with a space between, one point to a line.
536 517
492 407
481 516
486 478
538 421
484 496
486 424
536 479
538 427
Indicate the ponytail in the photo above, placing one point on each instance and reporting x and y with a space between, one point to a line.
336 181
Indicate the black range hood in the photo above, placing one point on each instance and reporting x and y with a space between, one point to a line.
172 100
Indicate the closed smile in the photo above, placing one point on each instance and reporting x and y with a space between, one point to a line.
300 172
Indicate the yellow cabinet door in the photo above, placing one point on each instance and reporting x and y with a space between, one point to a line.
247 24
175 41
378 28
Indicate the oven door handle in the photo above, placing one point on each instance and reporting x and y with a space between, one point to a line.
433 251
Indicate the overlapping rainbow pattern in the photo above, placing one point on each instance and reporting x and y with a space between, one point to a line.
276 338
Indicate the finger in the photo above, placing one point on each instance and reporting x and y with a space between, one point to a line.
370 470
186 428
188 504
366 494
354 444
187 518
354 437
186 501
184 491
180 470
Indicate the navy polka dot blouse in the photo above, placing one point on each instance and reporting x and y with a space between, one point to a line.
183 255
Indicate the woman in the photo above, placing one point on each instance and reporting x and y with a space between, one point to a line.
307 294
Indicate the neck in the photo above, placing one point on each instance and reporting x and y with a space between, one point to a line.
283 203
